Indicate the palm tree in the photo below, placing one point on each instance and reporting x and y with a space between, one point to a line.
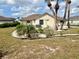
56 9
50 6
64 17
69 2
67 7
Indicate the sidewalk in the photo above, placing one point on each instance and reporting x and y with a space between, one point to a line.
67 35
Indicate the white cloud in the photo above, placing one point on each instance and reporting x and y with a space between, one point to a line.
24 10
53 3
10 1
6 2
26 7
21 11
37 1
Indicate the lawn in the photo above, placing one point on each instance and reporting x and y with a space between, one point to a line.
50 48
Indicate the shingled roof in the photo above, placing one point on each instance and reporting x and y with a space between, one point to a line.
32 17
36 16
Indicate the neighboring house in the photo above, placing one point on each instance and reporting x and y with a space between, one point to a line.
6 20
74 21
39 20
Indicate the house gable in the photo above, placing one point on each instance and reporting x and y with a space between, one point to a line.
47 20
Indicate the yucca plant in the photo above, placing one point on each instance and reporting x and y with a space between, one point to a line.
30 29
21 29
25 29
48 31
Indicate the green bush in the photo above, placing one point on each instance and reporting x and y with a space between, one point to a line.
40 30
4 25
26 29
21 29
48 31
31 29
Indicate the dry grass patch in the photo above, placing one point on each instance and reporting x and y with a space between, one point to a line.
50 48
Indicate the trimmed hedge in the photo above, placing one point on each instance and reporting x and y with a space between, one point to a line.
4 25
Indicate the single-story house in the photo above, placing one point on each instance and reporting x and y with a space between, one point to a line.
40 20
6 20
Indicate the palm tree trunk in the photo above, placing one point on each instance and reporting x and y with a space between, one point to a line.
56 22
64 17
55 17
52 11
68 24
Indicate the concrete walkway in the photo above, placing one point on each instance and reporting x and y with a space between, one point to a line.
71 34
14 34
68 35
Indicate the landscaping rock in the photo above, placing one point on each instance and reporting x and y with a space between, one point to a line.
42 35
14 34
65 27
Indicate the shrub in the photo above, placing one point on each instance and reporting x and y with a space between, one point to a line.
4 25
21 29
31 29
48 31
40 30
26 29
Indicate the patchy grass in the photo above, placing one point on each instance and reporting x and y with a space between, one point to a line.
69 31
50 48
72 31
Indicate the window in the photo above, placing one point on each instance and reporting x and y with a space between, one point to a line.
41 22
28 21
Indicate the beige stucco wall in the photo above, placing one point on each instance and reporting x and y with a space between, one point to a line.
48 21
24 22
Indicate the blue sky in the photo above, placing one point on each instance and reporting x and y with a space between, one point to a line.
16 8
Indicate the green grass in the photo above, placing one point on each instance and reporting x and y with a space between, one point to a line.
67 47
